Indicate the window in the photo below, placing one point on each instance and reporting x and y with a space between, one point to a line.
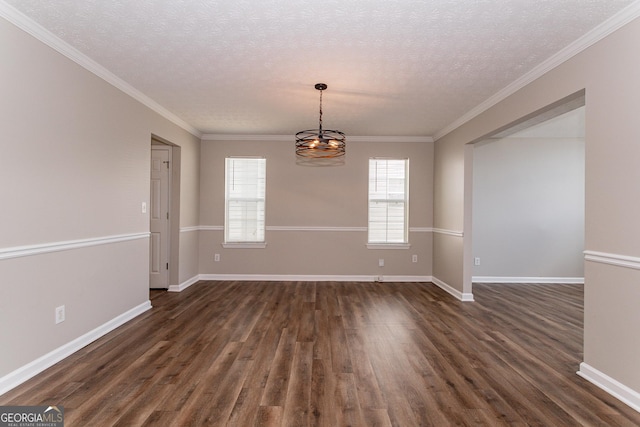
245 179
388 201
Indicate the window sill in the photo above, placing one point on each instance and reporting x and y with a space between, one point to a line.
245 245
388 245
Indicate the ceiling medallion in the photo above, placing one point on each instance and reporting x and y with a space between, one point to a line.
320 147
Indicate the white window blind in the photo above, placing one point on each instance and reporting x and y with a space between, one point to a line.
245 180
388 200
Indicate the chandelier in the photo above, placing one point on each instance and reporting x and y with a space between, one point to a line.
320 144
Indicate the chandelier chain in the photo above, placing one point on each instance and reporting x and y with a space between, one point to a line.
320 122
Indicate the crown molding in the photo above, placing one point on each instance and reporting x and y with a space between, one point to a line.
23 22
26 24
291 138
612 24
240 137
390 138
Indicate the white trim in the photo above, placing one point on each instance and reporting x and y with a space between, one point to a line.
184 285
26 24
312 278
465 297
612 24
525 280
311 228
291 138
610 385
43 248
20 375
613 259
420 230
245 245
240 137
189 229
286 278
448 232
378 246
392 139
211 228
316 228
405 279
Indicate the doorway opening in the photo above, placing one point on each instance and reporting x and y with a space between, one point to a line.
524 199
164 214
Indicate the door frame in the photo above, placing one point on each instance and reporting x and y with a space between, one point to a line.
161 278
174 206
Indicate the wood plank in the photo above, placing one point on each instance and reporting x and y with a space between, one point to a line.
275 390
332 354
296 407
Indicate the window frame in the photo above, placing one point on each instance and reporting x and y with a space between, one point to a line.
260 241
388 243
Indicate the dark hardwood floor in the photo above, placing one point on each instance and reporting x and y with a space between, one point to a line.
336 354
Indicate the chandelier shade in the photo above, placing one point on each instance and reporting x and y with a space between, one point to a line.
320 143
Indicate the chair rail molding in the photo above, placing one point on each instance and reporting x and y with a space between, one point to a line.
43 248
613 259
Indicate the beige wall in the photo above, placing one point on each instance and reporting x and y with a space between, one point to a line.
74 159
608 71
305 197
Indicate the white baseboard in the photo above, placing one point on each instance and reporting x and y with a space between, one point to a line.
406 279
504 279
296 278
286 278
184 285
20 375
611 386
313 278
466 297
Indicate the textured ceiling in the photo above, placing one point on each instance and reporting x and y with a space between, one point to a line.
393 67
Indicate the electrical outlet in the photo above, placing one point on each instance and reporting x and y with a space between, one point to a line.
414 258
60 315
381 262
476 261
216 257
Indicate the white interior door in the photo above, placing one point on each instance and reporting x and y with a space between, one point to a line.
159 217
